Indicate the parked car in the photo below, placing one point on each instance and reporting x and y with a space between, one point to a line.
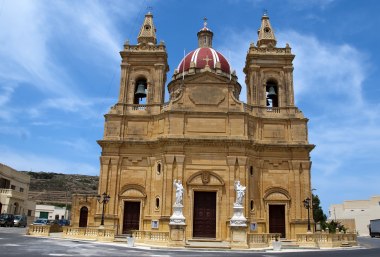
64 222
51 222
40 222
6 220
20 221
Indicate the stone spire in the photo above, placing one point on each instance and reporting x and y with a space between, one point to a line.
147 33
205 36
266 34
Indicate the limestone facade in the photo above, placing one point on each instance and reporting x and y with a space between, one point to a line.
205 137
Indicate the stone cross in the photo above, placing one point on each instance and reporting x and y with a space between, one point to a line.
207 60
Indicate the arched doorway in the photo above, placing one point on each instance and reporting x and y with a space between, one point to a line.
83 216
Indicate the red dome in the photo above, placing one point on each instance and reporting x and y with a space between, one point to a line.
202 56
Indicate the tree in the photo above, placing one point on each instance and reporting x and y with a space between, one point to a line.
318 215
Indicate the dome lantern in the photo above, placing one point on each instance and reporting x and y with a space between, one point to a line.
205 36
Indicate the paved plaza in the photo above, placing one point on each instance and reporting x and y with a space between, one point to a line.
14 242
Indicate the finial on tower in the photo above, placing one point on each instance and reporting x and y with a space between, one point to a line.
266 34
149 9
204 22
205 35
147 33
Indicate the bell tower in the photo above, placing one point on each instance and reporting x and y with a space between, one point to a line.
143 69
269 71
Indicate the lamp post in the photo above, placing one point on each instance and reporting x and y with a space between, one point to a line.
306 204
104 199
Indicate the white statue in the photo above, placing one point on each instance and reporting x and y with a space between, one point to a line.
178 191
240 192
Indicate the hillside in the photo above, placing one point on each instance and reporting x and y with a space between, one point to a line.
57 188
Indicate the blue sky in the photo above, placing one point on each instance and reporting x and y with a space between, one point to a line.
60 71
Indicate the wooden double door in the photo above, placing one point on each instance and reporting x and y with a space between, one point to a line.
277 219
131 220
204 216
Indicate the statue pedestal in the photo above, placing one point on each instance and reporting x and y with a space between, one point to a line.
177 227
238 225
177 218
238 219
177 235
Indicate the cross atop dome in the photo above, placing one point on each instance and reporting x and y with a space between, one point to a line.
204 22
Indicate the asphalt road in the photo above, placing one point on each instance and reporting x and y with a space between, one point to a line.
13 242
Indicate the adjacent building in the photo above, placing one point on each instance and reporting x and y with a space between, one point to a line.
356 214
51 212
14 188
204 138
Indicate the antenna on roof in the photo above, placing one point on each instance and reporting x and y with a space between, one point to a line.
149 9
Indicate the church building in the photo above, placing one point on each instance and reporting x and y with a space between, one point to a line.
205 140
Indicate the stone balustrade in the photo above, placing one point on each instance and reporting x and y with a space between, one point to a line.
151 237
38 230
326 240
14 193
261 240
89 233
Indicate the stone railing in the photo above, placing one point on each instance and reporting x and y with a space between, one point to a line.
89 233
326 240
275 50
151 237
13 193
38 230
261 240
274 112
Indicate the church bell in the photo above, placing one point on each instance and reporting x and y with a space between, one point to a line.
140 92
271 92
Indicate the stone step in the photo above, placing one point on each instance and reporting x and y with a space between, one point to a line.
214 244
289 244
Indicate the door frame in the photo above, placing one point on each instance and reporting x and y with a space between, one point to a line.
217 210
122 212
80 216
286 218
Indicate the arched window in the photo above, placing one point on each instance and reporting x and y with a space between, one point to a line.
272 94
251 170
157 202
158 168
83 217
141 87
252 205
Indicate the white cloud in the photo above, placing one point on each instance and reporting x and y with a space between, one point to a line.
32 33
79 145
328 81
26 161
19 132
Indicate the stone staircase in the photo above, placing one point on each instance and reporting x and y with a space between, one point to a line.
289 244
207 243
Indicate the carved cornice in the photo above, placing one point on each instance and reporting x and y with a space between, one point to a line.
208 142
